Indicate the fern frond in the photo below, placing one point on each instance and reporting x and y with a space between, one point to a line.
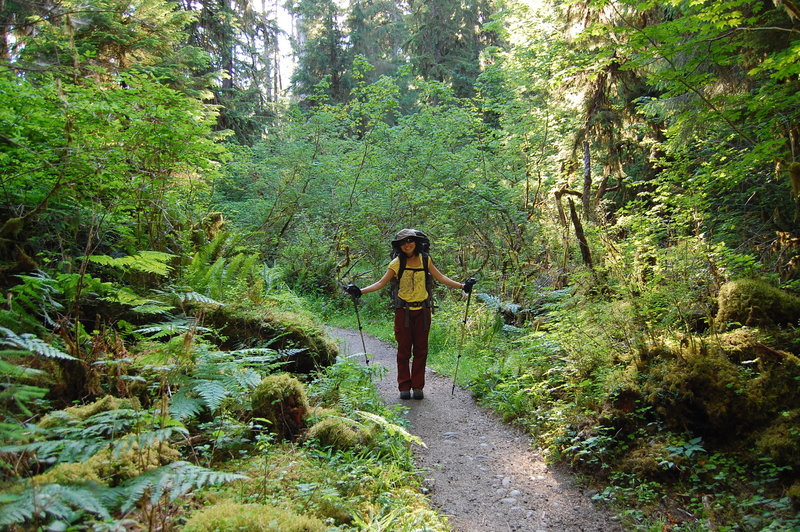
152 308
34 296
29 342
14 371
86 500
154 262
183 407
212 392
199 298
111 422
256 354
170 328
173 480
215 278
73 283
246 379
15 509
51 501
138 304
21 394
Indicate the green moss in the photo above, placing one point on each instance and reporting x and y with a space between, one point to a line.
794 493
755 302
73 473
110 468
341 433
80 413
794 177
281 399
230 516
332 509
702 391
781 440
645 460
132 462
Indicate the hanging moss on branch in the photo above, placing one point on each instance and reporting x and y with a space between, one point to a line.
282 401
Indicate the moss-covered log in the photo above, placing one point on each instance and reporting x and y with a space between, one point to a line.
278 330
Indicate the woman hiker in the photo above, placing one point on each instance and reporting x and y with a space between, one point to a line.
411 273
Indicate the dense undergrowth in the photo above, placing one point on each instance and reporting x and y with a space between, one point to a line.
671 390
183 410
677 428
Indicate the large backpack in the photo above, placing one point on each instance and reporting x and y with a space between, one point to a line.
424 244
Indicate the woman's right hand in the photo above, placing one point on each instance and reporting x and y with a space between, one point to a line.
353 290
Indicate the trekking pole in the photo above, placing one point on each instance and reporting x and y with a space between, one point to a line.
461 343
360 330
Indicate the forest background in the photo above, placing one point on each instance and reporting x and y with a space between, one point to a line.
622 176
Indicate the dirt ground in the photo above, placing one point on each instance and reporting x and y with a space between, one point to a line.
484 475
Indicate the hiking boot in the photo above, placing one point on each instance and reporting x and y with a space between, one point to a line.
418 394
405 394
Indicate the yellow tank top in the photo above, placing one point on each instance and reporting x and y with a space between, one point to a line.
412 283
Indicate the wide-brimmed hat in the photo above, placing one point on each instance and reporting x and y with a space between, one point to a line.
402 234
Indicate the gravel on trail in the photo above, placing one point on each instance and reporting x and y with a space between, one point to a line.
482 474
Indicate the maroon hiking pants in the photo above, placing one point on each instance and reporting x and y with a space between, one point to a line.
411 332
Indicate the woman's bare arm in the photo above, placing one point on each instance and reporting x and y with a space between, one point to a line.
380 283
442 278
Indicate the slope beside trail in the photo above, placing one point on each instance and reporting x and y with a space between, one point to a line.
481 473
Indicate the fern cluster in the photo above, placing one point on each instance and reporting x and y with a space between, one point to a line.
219 274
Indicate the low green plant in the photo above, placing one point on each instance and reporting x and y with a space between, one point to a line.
349 386
231 516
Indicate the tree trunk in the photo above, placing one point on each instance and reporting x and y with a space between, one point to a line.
579 234
587 182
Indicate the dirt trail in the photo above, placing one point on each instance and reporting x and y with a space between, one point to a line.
481 473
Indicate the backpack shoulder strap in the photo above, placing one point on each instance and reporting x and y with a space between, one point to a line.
402 266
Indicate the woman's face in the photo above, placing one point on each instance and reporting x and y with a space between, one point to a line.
408 246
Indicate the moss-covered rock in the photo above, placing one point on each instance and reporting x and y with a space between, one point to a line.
340 433
281 399
701 391
781 440
727 387
231 516
307 346
69 473
755 302
794 493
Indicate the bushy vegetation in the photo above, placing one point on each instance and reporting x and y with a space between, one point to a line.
674 428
